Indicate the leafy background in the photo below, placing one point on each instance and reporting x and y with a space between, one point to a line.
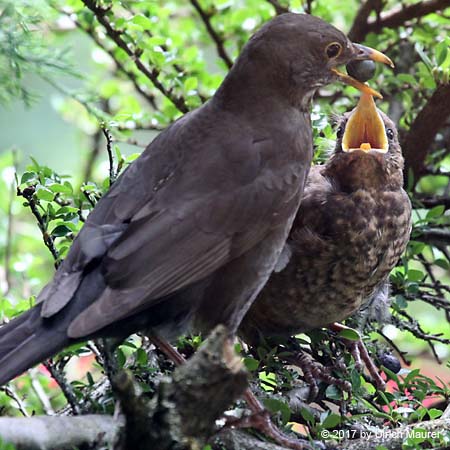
79 76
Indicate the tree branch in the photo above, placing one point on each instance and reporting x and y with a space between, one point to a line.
393 438
396 17
152 74
58 432
359 26
279 9
432 201
431 118
433 236
206 19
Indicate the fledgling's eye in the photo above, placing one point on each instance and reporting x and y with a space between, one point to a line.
339 132
334 50
390 134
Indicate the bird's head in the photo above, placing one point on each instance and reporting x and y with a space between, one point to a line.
367 152
298 53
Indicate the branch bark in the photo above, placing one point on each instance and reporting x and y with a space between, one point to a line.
397 17
431 118
181 415
393 439
359 26
59 433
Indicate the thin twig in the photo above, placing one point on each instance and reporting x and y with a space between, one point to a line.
11 393
279 9
28 194
206 18
59 376
108 137
116 36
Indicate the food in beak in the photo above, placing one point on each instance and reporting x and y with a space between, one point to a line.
362 53
365 128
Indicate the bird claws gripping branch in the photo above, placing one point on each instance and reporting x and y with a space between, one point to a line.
313 372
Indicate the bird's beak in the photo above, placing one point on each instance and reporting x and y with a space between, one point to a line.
361 53
365 128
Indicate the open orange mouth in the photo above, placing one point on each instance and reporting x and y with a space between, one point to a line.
365 128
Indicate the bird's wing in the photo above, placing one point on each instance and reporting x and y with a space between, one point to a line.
161 236
163 253
317 189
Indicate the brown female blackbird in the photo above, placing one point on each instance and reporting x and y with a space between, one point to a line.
192 229
352 226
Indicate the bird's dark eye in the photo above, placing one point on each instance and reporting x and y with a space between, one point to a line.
339 132
334 50
390 134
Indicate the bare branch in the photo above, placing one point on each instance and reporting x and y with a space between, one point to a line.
431 202
359 26
206 19
431 118
59 433
433 236
394 440
396 17
279 9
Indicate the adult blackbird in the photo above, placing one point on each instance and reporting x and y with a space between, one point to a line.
192 229
352 226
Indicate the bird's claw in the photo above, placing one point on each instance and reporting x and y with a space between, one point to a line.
361 357
313 371
261 421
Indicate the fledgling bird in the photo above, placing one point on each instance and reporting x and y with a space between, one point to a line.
192 229
352 226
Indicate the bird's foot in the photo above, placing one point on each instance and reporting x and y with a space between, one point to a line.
313 372
260 420
361 356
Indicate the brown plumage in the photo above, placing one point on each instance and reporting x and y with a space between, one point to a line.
352 226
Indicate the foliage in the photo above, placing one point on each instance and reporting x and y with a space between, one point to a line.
153 62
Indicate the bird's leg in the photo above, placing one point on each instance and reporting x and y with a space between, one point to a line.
260 417
260 420
170 351
360 354
313 371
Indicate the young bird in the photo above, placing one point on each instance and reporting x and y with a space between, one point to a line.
352 227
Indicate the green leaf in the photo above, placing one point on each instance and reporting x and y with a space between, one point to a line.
442 263
434 413
441 52
143 21
415 275
307 415
44 194
190 84
60 231
141 357
61 188
349 334
437 211
121 358
28 176
251 364
275 405
331 421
